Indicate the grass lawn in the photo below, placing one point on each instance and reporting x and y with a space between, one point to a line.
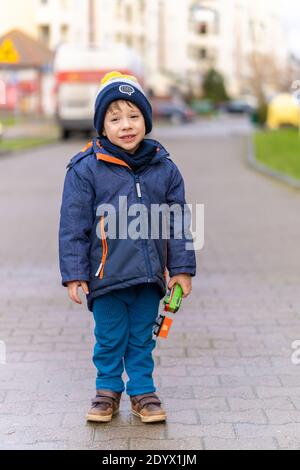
8 145
279 150
9 121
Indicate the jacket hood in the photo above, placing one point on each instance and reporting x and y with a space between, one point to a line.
161 154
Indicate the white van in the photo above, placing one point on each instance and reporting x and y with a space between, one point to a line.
78 73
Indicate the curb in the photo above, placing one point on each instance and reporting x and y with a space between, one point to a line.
252 161
8 153
5 153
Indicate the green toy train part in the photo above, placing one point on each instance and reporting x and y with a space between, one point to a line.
173 299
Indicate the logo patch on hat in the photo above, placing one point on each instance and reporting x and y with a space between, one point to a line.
126 89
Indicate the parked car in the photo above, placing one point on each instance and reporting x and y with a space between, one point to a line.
237 107
173 112
203 107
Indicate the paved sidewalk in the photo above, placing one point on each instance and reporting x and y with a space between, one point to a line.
225 373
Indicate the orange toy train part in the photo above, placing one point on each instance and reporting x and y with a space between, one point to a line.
165 327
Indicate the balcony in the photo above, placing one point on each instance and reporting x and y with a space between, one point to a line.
203 20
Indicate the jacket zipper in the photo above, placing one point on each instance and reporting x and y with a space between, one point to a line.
100 270
144 242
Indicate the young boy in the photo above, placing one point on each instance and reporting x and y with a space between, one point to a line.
123 276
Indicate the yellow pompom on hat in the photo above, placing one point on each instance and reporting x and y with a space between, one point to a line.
118 86
112 75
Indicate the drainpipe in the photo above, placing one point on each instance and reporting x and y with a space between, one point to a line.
91 22
161 36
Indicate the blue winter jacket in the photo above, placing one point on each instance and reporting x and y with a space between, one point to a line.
106 262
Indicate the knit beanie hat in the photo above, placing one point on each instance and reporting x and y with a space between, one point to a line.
116 86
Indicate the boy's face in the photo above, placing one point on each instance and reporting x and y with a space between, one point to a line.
124 125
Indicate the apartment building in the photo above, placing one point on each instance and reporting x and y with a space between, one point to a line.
178 40
225 34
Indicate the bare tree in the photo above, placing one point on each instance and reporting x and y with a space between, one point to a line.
265 74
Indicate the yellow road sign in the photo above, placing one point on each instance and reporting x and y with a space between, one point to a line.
8 52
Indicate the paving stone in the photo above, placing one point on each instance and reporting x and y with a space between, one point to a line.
187 361
241 392
240 444
167 444
215 353
248 416
288 442
196 371
112 444
281 403
255 431
283 416
187 431
204 381
214 404
268 381
272 392
106 433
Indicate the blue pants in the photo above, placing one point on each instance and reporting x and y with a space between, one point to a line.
124 320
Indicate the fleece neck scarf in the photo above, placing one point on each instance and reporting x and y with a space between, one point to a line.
142 156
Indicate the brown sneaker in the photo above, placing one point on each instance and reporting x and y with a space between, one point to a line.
104 406
147 407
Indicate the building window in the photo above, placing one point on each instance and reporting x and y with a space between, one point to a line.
142 5
203 20
64 32
129 14
44 34
196 53
119 9
203 53
129 41
119 38
202 28
191 52
64 3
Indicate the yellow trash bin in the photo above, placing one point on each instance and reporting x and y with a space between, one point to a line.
283 110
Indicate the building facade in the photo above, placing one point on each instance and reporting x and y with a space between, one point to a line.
178 40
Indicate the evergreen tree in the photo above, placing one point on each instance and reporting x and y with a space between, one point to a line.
214 87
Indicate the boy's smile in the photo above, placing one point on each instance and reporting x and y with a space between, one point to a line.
124 125
128 138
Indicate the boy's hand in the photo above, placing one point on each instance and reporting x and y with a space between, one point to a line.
184 280
73 290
